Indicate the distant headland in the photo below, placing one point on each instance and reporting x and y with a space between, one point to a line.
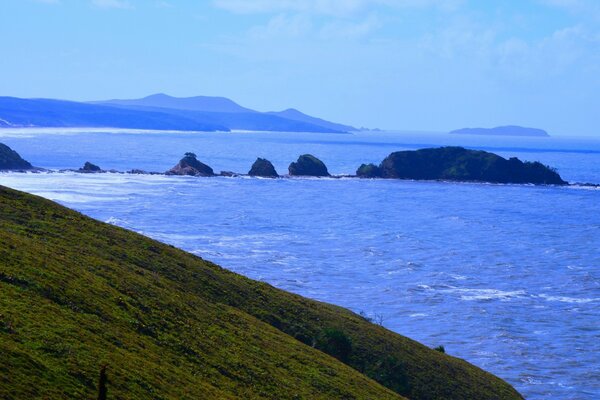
508 130
158 112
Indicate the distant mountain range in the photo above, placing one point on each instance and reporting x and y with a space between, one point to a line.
510 130
158 112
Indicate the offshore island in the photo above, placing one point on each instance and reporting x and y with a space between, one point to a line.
443 164
509 130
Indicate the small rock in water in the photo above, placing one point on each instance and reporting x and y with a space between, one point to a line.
263 168
88 167
308 165
368 171
189 165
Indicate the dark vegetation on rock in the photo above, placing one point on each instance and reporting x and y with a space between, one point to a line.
189 165
88 167
264 168
459 164
368 171
77 294
11 160
308 165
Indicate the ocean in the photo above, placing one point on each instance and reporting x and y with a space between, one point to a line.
504 276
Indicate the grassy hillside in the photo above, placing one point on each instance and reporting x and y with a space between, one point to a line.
76 294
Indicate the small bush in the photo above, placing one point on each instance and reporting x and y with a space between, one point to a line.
335 343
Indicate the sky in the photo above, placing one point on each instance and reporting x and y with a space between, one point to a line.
428 65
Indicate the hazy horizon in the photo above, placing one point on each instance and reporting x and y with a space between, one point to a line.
415 65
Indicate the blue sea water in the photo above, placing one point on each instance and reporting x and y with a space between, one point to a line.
504 276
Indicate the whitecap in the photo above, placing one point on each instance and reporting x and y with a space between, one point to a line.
116 221
565 299
488 294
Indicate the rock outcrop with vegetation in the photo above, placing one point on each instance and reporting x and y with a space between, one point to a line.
263 168
11 160
460 164
189 165
308 165
368 171
77 295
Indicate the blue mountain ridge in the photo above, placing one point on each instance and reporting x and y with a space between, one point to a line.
156 112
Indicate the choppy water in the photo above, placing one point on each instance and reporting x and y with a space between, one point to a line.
505 276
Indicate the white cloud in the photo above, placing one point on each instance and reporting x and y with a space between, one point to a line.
584 8
350 29
283 25
300 25
329 7
163 4
326 7
122 4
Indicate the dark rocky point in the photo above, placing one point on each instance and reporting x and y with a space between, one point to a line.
459 164
89 168
263 167
368 171
308 165
189 165
11 160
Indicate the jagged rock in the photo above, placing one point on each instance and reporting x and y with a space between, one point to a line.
263 167
308 165
89 168
11 160
368 171
189 165
460 164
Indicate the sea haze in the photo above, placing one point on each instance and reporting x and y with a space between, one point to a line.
504 276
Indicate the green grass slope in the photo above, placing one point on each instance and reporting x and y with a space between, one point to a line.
76 294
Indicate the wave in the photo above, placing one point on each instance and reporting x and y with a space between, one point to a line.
489 294
565 299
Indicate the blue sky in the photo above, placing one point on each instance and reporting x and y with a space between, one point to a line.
431 65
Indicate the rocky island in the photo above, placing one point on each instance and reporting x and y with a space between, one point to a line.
460 164
308 165
444 163
10 160
89 168
189 165
263 168
509 130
